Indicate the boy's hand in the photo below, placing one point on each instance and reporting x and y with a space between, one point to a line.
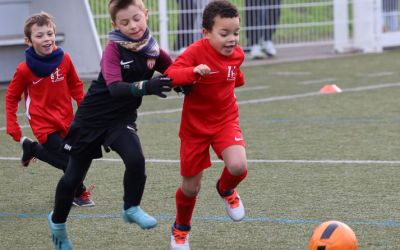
202 69
15 133
158 85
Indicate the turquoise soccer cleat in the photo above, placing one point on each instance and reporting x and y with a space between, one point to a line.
137 215
59 234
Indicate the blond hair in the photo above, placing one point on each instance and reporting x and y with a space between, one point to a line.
116 5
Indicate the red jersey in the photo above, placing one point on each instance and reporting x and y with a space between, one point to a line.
212 101
48 100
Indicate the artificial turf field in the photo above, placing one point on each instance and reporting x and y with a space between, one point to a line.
312 157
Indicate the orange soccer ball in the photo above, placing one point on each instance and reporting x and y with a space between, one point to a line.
333 235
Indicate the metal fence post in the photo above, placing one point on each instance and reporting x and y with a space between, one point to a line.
341 25
366 36
162 5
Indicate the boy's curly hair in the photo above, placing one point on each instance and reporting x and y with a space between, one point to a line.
222 8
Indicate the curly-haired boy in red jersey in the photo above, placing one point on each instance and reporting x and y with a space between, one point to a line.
210 115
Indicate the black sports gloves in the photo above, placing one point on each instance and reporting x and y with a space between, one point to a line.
157 86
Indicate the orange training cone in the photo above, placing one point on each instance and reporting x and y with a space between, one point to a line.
329 89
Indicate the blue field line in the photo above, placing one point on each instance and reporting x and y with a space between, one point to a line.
256 161
383 223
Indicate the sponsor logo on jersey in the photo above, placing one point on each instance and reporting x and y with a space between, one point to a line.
231 73
56 76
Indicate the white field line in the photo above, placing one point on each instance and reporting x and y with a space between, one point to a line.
166 111
379 74
254 161
288 97
290 73
181 97
251 88
327 80
22 126
278 98
372 87
236 90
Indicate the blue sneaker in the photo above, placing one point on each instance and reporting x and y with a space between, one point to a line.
137 215
59 235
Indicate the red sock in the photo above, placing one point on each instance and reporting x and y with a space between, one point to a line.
184 208
227 181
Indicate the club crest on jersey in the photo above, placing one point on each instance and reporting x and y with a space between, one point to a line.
231 73
56 76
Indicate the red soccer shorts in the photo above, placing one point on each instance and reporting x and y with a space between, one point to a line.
195 152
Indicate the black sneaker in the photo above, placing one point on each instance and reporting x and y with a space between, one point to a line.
26 156
83 200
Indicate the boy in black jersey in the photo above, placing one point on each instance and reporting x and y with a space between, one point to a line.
107 115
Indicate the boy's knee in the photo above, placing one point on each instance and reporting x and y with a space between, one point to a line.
191 190
135 171
237 168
